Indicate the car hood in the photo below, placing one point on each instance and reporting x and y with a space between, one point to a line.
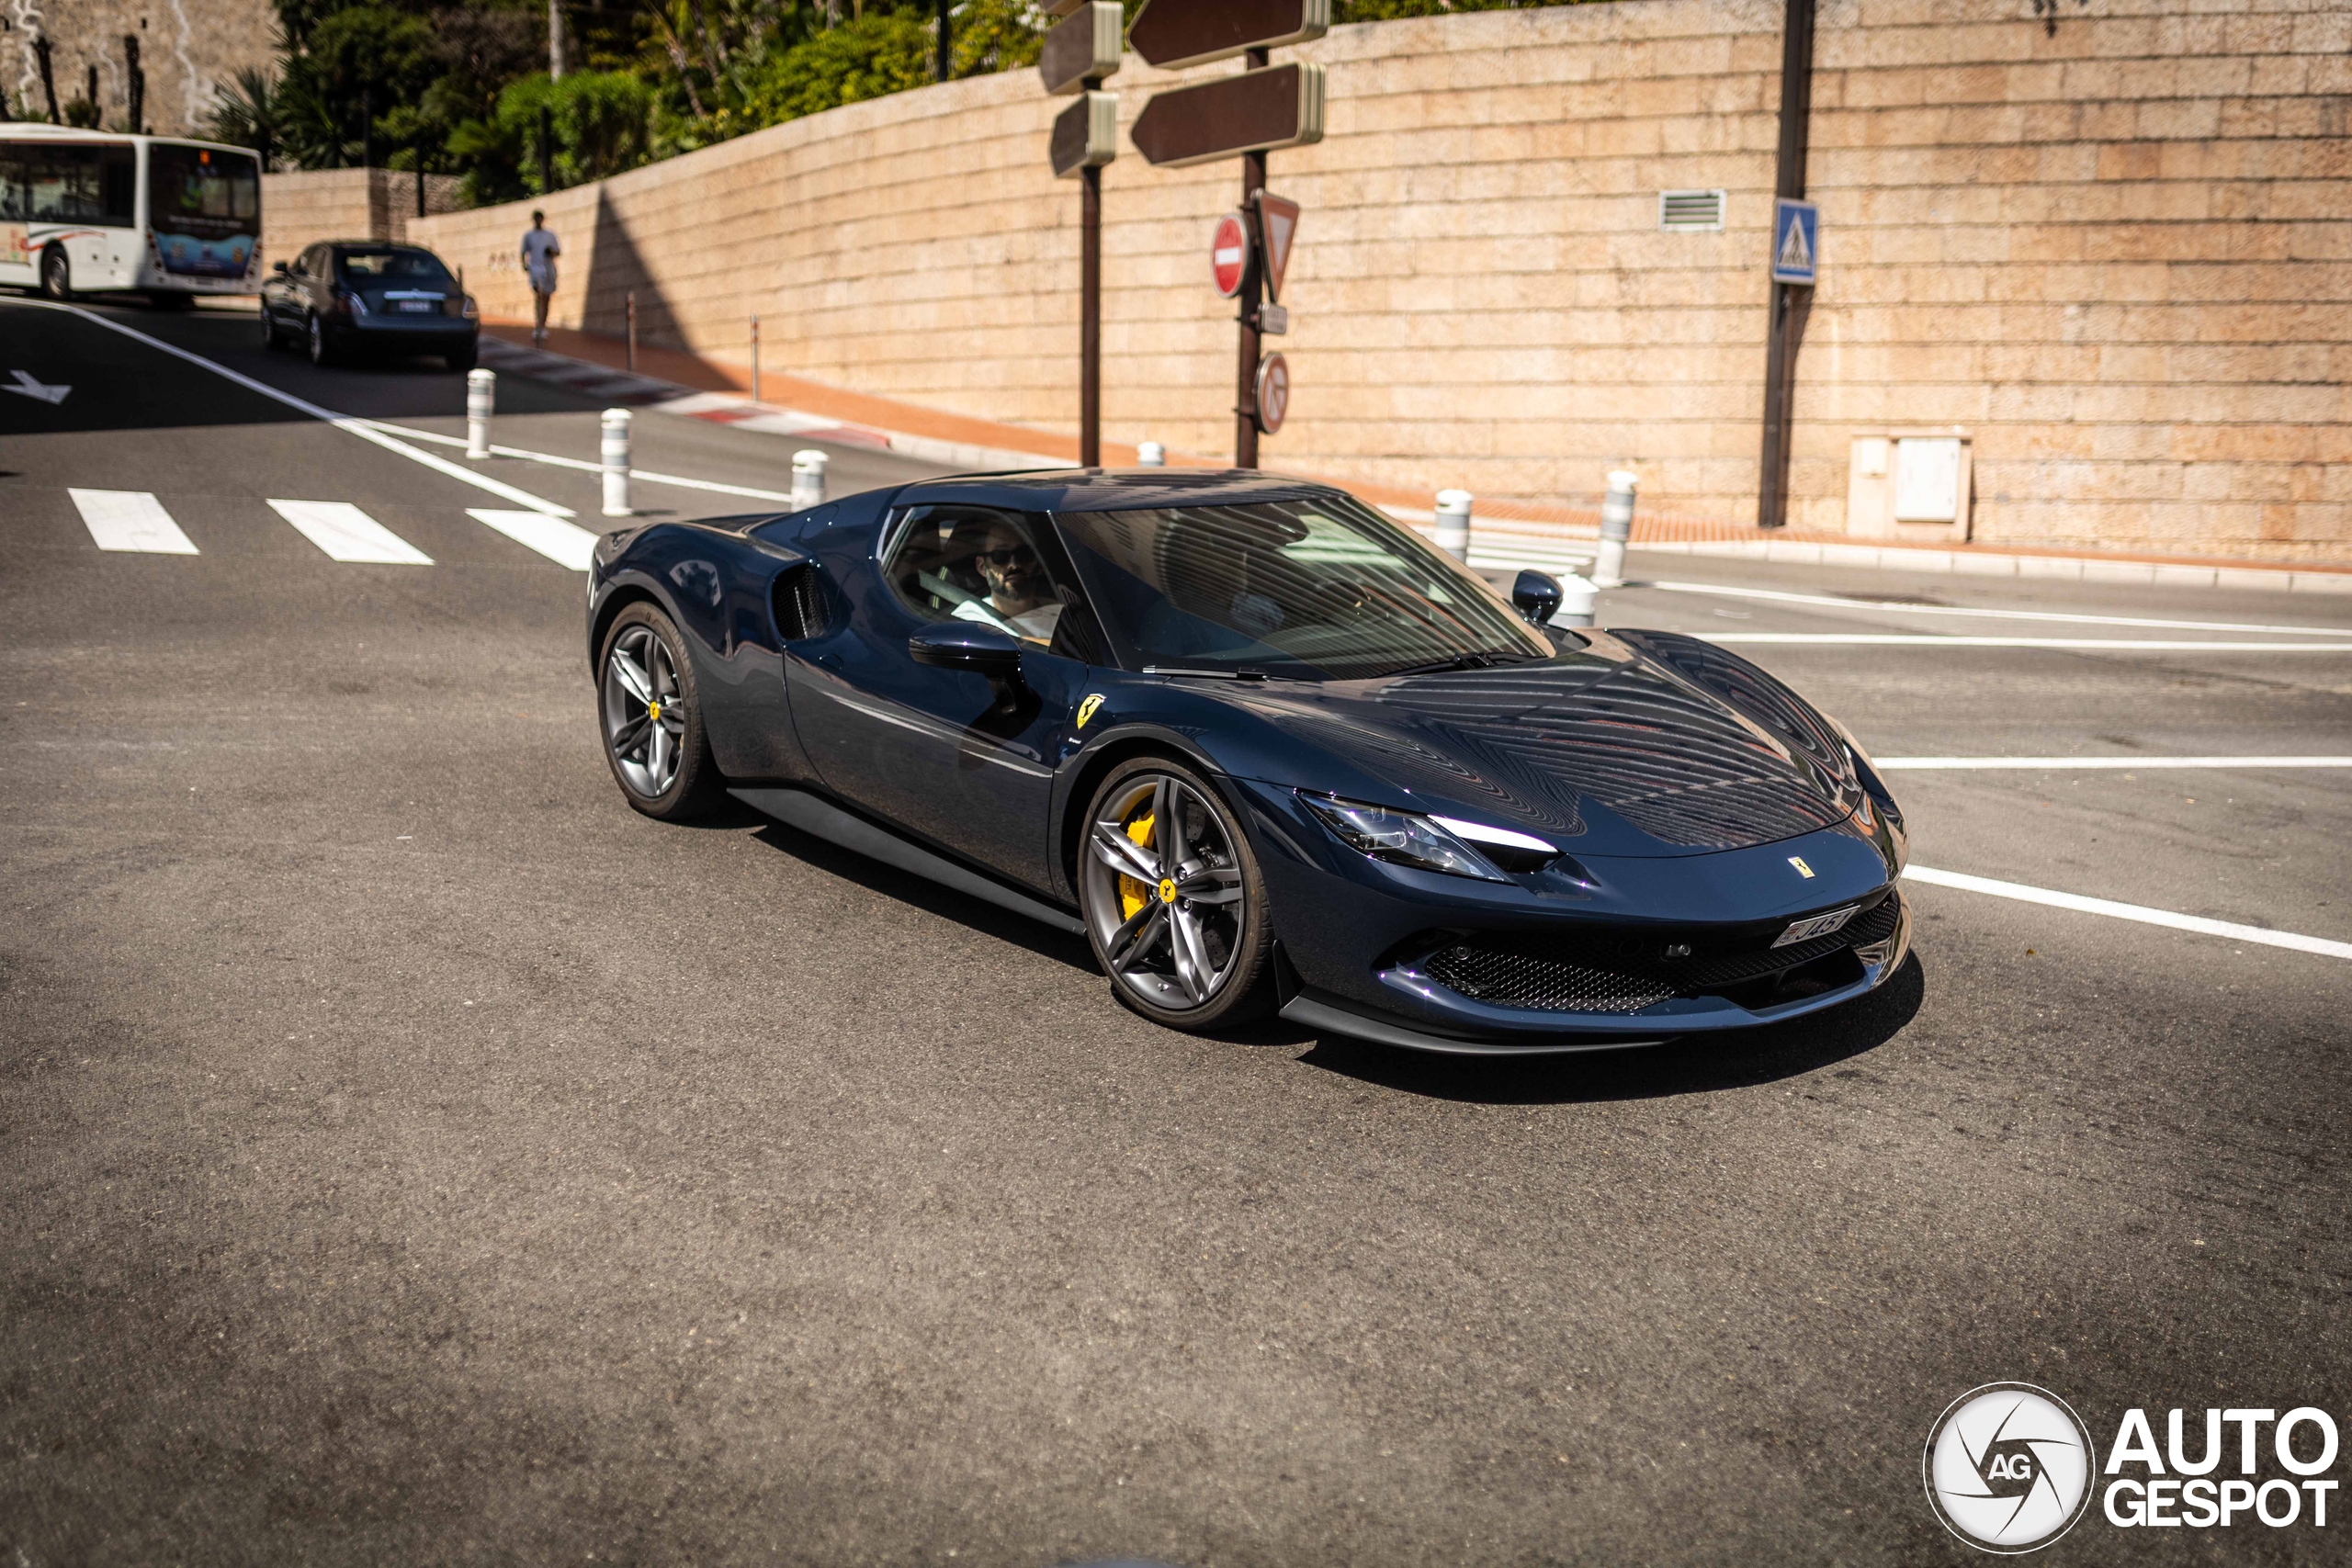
1604 751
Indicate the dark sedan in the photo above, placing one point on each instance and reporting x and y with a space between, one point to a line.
1267 750
343 298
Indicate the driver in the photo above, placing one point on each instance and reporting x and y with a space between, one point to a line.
1021 597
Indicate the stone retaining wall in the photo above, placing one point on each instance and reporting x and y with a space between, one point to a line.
2111 245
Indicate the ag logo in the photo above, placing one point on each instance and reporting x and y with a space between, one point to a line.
2008 1468
1086 709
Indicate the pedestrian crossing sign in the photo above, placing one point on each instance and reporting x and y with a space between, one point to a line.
1796 241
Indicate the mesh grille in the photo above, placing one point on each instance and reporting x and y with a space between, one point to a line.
1517 977
1522 980
799 607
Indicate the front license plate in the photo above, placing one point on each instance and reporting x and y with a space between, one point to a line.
1816 925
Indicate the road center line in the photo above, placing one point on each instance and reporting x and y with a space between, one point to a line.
364 429
2089 645
2139 912
2082 764
1892 607
646 475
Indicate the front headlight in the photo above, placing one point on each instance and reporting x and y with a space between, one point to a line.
1399 837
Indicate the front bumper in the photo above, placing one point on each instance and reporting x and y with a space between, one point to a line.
1376 949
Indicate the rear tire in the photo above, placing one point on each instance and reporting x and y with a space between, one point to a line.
1177 919
650 714
56 275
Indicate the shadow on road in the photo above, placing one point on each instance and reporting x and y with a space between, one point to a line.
1692 1067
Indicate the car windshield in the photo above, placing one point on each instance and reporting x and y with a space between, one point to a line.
1321 588
396 266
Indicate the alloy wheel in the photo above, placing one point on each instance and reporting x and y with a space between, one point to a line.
1165 893
645 713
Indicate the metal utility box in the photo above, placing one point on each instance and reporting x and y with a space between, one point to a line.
1909 484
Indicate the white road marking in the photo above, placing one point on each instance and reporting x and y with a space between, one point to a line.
2081 764
644 476
2139 912
362 428
1891 607
347 534
130 520
26 386
2081 644
566 544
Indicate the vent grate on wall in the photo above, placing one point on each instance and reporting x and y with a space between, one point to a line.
1690 209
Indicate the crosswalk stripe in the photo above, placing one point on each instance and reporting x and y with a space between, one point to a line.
566 544
130 520
347 534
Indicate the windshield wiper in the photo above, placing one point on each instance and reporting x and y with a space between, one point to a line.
1483 659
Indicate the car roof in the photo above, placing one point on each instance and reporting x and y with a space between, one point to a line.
1110 489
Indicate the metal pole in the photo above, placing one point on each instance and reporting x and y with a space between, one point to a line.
615 453
547 150
755 359
1090 323
1616 527
1454 523
481 399
1786 323
946 49
1245 402
631 301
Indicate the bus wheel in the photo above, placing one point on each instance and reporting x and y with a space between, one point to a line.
56 273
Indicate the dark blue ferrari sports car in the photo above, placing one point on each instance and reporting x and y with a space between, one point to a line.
1268 749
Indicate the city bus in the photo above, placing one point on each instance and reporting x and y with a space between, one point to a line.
89 211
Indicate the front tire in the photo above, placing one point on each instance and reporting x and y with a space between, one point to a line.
650 714
322 353
268 329
56 275
1173 903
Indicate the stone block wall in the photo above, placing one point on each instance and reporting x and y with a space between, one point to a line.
300 208
2110 244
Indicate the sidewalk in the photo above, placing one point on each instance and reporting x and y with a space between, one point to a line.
1506 533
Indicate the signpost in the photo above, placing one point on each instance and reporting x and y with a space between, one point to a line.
1229 255
1277 227
1079 51
1257 111
1273 392
1172 34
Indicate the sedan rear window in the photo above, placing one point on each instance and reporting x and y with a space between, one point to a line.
392 266
1317 589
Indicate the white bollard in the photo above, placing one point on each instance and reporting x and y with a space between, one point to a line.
1151 455
1616 527
1577 594
1454 523
481 397
617 463
807 479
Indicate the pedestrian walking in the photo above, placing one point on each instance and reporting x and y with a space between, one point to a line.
539 250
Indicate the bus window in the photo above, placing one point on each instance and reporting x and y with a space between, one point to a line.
204 207
48 182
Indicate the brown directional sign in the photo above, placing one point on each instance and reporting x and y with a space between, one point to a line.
1086 134
1175 33
1082 46
1277 227
1256 111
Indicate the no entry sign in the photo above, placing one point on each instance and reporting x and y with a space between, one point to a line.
1273 392
1229 253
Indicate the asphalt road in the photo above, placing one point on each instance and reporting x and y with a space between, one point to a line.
413 1155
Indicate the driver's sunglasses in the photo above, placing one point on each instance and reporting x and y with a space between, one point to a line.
1008 556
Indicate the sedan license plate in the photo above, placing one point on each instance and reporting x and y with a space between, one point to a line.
1816 925
418 306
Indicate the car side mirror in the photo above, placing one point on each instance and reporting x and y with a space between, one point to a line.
279 269
1537 595
967 645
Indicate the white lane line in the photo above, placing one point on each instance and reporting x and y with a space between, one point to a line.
364 429
566 544
2081 764
2139 912
2108 645
1891 607
347 534
644 475
130 520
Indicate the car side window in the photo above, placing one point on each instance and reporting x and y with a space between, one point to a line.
307 264
972 563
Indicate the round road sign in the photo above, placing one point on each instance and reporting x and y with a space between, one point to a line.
1273 392
1229 253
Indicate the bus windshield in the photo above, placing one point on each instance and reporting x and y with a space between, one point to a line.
204 207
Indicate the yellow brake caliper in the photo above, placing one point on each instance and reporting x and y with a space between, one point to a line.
1134 895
